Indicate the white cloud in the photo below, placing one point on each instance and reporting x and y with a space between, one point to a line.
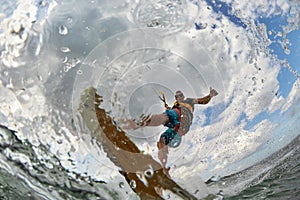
276 104
254 9
245 88
261 89
231 145
293 97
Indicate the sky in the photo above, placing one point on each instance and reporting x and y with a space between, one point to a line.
260 127
257 96
275 24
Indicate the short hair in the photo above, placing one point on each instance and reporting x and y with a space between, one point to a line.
179 92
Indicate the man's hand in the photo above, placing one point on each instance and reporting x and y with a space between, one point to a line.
213 92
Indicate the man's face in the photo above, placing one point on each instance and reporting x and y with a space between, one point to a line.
179 96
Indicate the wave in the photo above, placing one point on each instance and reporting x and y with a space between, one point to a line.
24 175
275 177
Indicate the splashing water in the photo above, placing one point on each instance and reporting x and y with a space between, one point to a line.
52 51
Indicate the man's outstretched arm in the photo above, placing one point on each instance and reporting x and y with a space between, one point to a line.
206 99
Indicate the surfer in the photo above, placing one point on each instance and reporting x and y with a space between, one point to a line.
177 119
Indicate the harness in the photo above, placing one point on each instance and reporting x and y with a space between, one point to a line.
180 120
182 104
184 112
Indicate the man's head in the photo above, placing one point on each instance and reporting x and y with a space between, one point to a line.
179 96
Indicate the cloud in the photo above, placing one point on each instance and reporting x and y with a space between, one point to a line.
246 89
276 104
293 97
254 9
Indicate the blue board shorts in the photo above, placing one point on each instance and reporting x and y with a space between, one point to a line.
171 138
173 118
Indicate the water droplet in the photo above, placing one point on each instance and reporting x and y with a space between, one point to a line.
213 26
67 68
132 184
40 77
43 3
79 72
287 50
59 141
121 185
149 172
293 10
65 49
25 97
69 20
215 178
63 30
73 62
65 59
200 26
140 79
220 195
50 188
279 34
9 84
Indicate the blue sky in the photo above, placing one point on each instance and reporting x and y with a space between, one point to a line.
285 77
275 24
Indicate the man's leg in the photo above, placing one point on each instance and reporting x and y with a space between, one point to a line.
156 120
153 120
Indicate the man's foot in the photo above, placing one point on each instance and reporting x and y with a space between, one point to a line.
130 124
166 172
144 120
213 92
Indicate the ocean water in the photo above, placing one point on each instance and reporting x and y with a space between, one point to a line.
243 144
